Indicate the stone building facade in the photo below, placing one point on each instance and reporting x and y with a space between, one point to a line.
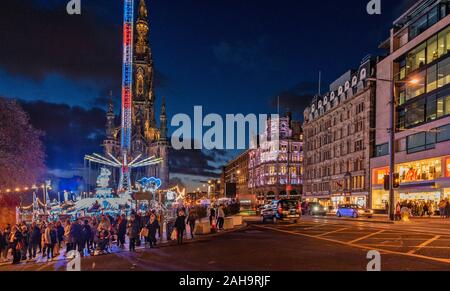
275 168
339 139
148 138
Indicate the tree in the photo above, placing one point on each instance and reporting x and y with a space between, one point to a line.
21 149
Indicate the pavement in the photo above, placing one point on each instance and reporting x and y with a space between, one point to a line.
42 263
313 244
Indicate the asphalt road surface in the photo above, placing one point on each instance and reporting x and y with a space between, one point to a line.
311 245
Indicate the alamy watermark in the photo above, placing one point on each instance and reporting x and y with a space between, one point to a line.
74 7
374 264
212 132
374 7
74 261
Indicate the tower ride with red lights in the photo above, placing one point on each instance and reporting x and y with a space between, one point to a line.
126 161
127 83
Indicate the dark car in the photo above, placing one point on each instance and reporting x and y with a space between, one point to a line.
315 208
288 210
353 210
268 212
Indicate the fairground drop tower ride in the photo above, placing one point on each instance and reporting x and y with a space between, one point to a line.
138 148
127 83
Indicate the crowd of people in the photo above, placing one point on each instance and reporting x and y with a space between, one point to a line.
92 236
421 208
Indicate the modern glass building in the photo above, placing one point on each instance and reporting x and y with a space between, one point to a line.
419 65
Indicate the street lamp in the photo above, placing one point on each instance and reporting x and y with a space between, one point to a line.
391 131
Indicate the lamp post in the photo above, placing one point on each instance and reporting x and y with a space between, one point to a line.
391 132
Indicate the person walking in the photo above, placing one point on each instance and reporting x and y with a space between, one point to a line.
67 236
212 215
3 246
25 241
121 230
220 217
447 209
153 227
85 237
133 232
42 248
398 209
180 226
50 240
94 236
15 244
191 222
35 238
60 232
75 235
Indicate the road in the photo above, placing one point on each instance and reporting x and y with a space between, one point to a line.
312 245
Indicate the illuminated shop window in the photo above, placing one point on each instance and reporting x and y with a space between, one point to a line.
378 175
424 170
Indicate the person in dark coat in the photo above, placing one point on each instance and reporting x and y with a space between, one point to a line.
145 220
191 221
42 248
60 233
3 245
75 234
153 227
35 240
180 225
25 241
15 244
86 234
212 215
121 230
133 232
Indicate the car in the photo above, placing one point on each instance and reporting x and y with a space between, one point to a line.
353 210
267 213
315 208
288 210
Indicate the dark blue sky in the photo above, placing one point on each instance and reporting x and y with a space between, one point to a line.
230 56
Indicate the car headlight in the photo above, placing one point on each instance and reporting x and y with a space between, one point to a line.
360 211
316 209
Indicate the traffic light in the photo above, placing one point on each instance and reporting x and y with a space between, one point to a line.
386 182
396 183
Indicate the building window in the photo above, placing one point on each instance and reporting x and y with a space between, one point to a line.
424 170
417 88
443 72
431 108
420 142
414 113
424 22
381 150
443 133
358 145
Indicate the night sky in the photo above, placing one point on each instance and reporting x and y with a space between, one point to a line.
229 56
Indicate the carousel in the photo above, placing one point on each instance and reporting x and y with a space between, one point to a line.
148 197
